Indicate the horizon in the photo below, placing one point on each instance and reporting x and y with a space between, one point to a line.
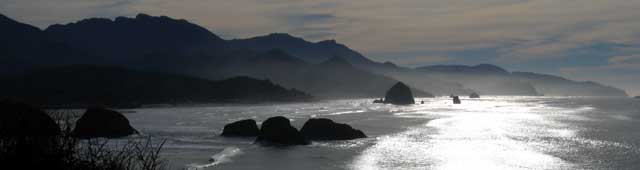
600 49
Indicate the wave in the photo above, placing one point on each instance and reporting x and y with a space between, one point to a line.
222 157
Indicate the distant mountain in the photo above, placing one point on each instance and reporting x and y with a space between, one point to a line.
325 68
464 69
558 86
308 51
334 78
82 85
162 44
491 79
338 73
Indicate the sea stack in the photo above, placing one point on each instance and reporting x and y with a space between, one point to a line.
399 94
326 129
242 128
456 100
101 122
474 95
279 132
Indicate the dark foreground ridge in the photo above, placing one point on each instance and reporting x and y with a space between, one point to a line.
88 85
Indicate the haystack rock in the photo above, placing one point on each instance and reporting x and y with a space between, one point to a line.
399 94
242 128
279 132
326 129
100 122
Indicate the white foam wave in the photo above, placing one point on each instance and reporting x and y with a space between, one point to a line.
222 157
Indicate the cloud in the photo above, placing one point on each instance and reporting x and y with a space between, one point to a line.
631 62
43 13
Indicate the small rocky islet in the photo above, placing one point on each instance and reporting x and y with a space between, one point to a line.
278 131
20 120
100 122
398 94
474 95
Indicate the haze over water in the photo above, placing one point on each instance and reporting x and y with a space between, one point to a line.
486 133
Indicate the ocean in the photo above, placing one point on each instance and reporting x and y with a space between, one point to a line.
487 133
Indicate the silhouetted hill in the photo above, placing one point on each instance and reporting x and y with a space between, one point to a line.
163 44
334 78
144 42
558 86
23 46
490 79
464 69
88 85
132 36
298 47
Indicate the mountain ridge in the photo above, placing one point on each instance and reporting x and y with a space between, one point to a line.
86 85
164 44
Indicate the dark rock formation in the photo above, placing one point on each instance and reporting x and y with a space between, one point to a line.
378 101
20 120
637 97
456 100
326 129
278 131
242 128
399 94
474 95
100 122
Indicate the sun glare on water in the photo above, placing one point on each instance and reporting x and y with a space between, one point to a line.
479 134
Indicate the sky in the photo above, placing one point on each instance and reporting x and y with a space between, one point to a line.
586 40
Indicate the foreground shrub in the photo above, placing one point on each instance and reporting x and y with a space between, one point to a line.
65 152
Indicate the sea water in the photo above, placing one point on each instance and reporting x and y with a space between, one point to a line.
487 133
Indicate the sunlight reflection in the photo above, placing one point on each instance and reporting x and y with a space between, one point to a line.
486 133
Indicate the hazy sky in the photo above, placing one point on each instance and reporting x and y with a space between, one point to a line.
581 39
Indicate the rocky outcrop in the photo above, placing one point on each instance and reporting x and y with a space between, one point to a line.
399 94
474 95
22 120
637 97
242 128
326 129
100 122
279 132
456 100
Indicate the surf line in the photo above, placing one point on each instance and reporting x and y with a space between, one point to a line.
222 157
